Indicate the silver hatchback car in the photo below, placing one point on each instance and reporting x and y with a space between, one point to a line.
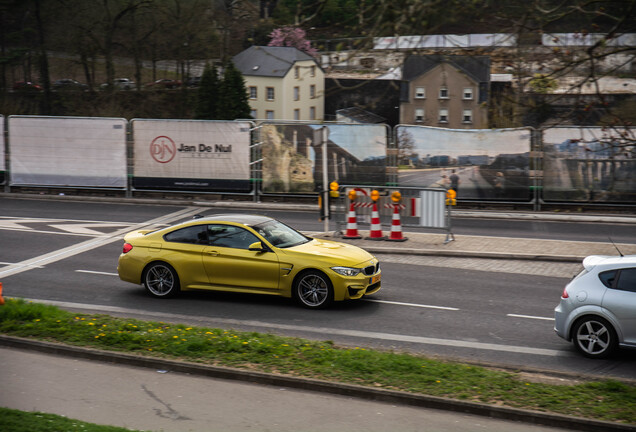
597 311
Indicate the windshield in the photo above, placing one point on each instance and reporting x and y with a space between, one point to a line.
279 234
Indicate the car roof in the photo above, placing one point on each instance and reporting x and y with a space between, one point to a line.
608 262
245 219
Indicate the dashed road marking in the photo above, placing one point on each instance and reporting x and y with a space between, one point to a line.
413 304
97 272
530 317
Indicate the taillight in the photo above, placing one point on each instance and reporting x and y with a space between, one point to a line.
564 295
127 247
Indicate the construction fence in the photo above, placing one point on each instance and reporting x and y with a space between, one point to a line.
561 164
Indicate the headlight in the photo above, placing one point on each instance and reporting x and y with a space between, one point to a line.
346 271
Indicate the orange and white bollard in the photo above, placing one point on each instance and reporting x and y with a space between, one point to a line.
352 224
396 225
1 298
376 227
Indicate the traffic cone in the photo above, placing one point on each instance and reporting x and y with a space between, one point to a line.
376 227
396 226
352 225
1 298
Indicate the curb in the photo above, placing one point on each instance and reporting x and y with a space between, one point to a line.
361 392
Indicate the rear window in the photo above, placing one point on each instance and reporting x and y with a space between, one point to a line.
196 234
608 278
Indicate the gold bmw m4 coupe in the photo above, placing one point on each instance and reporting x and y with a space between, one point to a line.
249 254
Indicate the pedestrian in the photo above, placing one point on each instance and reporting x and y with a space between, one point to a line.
445 182
454 181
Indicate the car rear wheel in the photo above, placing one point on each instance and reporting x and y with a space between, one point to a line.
313 290
594 337
161 280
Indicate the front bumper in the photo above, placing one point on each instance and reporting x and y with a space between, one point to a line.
351 288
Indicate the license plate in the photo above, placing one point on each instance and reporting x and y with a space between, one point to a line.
374 279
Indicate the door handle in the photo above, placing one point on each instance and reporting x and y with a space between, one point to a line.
212 252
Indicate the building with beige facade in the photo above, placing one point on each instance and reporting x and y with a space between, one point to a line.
445 91
283 83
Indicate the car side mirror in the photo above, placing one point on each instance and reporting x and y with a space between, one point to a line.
257 247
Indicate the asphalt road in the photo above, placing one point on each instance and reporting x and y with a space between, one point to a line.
451 308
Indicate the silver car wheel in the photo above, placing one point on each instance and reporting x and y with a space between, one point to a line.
161 280
314 290
594 337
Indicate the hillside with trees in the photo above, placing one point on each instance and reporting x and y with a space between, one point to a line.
95 42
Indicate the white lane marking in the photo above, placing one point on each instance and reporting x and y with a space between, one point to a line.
413 305
319 330
86 228
89 244
50 232
530 317
97 272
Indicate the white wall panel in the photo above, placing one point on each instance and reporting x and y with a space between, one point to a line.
68 151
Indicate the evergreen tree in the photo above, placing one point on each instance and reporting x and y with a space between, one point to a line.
233 98
208 104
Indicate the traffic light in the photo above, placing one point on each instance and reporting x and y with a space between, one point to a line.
334 186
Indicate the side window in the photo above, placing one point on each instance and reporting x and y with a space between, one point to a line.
608 278
196 234
230 236
627 280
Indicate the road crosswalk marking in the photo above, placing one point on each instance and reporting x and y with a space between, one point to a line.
91 244
61 226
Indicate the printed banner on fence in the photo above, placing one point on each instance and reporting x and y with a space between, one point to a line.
478 164
191 155
293 155
589 164
3 167
68 151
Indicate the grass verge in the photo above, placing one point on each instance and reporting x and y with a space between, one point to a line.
20 421
607 400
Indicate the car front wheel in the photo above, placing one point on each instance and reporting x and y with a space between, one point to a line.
313 290
594 337
161 280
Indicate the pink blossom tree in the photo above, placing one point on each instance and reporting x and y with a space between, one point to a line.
292 37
